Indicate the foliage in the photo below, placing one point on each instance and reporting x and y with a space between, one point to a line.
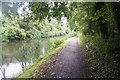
98 23
104 63
20 27
13 33
56 43
49 9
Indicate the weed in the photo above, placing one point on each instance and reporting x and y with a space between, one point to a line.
102 55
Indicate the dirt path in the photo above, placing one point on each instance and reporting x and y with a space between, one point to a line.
71 63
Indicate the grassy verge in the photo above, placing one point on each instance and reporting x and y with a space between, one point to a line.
103 64
35 67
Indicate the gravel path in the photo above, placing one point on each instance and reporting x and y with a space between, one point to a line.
71 63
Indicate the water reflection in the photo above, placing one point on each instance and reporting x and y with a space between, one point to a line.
13 69
43 50
11 53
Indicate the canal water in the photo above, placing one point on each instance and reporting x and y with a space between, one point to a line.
13 58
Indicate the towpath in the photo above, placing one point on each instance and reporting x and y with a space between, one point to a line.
71 63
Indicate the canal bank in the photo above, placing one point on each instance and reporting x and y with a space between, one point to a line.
42 63
17 55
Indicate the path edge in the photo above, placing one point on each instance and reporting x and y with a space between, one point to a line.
35 67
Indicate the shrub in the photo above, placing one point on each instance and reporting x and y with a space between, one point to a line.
102 54
62 33
37 34
56 43
29 34
50 34
13 33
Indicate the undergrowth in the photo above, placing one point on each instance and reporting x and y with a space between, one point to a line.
102 55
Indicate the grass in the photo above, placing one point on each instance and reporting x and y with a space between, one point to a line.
35 67
103 63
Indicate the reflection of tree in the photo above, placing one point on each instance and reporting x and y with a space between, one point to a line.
2 68
23 57
28 52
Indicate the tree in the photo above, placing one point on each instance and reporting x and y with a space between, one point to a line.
47 10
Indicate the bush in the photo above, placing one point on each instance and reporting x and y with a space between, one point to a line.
102 54
44 34
62 33
56 43
37 34
50 34
13 33
4 39
29 34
